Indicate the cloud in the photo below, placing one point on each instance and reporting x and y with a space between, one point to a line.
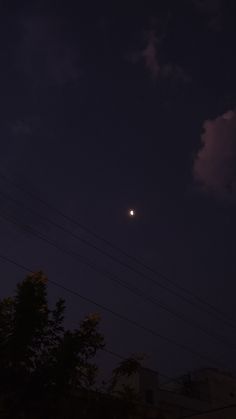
150 56
215 163
208 6
175 72
211 9
21 127
18 139
44 54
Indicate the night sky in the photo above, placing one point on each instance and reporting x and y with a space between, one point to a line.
104 109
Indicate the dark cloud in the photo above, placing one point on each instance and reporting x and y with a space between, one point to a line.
16 141
44 53
150 56
21 127
215 163
208 6
211 9
175 72
19 138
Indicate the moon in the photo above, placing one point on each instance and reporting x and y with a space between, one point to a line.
132 213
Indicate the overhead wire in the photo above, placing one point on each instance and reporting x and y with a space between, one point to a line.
114 278
122 283
114 313
122 317
217 313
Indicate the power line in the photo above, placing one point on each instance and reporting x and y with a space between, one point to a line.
117 280
217 313
118 315
114 354
86 242
122 283
108 351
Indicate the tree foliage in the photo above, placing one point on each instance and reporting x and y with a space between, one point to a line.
41 363
47 371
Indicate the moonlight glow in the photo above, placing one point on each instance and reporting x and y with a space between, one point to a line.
131 212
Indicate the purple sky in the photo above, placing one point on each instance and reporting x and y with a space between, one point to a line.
114 108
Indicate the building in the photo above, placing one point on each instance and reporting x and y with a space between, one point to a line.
216 387
202 393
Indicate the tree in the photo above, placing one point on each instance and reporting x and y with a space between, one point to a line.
42 365
49 372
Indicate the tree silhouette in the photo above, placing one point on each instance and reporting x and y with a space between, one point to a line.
47 371
42 365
